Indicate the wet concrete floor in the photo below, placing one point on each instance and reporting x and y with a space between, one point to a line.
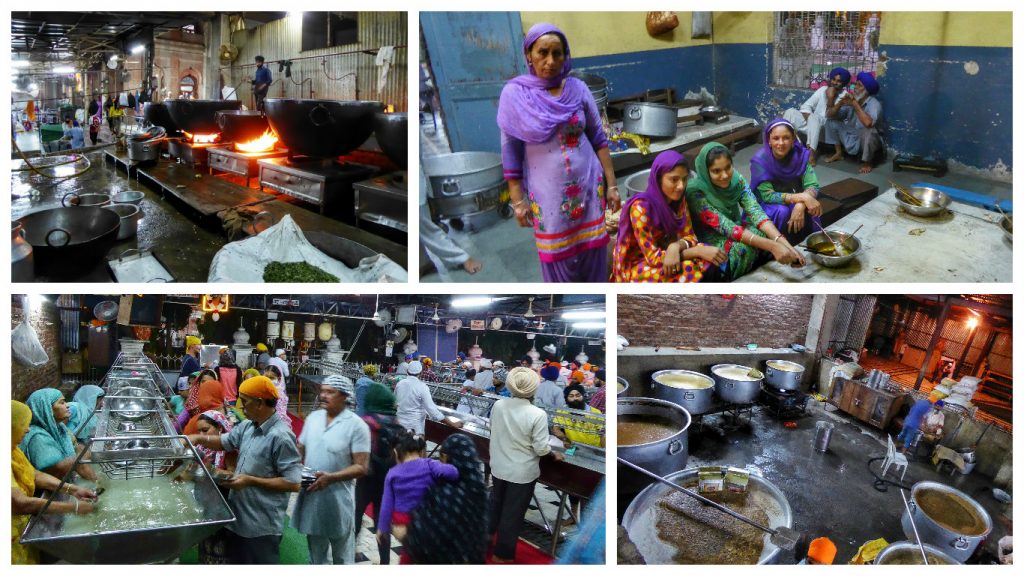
832 494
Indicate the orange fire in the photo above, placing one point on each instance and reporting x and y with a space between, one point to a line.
201 138
264 143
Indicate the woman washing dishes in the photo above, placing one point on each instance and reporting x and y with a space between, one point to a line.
556 160
728 216
784 181
656 242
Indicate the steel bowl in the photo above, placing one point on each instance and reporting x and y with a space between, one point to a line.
818 242
1006 224
83 200
933 202
621 386
132 403
130 216
321 128
128 197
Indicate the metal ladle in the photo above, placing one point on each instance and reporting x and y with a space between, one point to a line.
910 516
836 245
783 537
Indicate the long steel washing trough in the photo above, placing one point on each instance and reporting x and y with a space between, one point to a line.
134 546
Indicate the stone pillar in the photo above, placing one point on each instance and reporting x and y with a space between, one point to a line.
243 356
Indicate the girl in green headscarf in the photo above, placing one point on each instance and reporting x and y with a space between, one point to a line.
49 445
726 215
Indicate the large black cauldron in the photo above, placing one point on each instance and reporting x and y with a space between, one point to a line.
392 132
240 125
156 114
197 116
321 128
67 242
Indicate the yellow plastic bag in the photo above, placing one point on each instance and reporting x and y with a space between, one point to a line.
868 551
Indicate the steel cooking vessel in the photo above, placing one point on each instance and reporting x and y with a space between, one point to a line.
778 377
597 85
662 457
197 116
130 216
959 546
84 200
240 125
932 202
462 173
392 132
156 114
648 119
637 182
735 391
321 128
905 552
696 401
68 241
622 386
466 205
143 150
640 517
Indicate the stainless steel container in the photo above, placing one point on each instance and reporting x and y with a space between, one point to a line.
22 266
143 150
662 457
823 435
783 374
647 119
130 216
696 400
904 552
83 200
128 197
622 386
462 173
637 183
734 389
597 85
959 546
475 209
640 518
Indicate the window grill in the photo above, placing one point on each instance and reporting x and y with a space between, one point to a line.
809 44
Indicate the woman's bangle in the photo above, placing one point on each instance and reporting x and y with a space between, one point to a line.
67 488
76 505
777 238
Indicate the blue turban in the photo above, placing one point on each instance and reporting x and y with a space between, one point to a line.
843 74
869 82
550 373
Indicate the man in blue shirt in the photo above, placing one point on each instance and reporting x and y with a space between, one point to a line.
261 83
912 423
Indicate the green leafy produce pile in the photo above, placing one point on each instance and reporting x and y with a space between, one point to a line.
296 272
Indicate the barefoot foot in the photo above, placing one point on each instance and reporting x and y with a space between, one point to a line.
472 266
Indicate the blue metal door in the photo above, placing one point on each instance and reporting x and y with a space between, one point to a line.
472 55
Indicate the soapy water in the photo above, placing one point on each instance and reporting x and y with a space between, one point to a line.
138 504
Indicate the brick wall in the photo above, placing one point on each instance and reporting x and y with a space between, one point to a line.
707 321
46 321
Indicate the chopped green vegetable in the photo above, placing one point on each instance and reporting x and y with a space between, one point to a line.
296 272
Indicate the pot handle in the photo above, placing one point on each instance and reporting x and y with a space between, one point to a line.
319 111
689 395
634 113
74 201
221 120
451 186
961 543
912 505
67 238
675 447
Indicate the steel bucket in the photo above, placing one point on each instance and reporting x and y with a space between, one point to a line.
696 401
733 390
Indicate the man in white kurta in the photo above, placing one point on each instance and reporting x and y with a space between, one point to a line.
335 442
415 403
810 118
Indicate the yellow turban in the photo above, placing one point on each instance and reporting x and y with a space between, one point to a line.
191 341
261 347
21 417
370 370
259 387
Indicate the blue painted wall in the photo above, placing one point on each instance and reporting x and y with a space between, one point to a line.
686 68
932 105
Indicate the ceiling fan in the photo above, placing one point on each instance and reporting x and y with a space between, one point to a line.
453 325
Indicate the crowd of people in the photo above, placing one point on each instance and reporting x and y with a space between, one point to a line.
346 460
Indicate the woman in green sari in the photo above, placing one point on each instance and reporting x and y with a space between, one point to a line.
726 215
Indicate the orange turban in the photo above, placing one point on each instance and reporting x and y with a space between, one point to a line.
259 387
577 377
822 550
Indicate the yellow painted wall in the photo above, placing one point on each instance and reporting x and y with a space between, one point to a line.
987 29
602 33
742 27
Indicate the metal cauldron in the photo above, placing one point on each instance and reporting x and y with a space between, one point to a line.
649 119
696 398
197 116
68 241
392 131
959 546
783 374
156 114
240 125
662 457
640 517
732 389
321 128
462 173
905 552
622 386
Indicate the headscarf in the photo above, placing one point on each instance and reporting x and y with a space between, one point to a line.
525 110
192 403
869 82
550 372
250 373
222 421
82 408
843 73
380 400
522 382
452 508
226 360
211 397
725 200
191 341
45 425
822 550
571 388
415 367
23 475
764 167
427 362
259 387
261 347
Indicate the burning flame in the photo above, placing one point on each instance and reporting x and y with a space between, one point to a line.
264 143
201 138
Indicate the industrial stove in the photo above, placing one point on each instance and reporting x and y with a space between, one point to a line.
783 403
380 205
244 164
185 151
316 180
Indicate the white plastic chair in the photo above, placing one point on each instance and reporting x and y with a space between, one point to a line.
894 457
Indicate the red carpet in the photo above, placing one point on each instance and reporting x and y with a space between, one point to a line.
296 424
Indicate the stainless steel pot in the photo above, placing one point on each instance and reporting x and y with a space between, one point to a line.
130 216
640 518
959 546
84 199
637 183
734 390
696 401
647 119
462 173
904 552
468 204
662 457
777 375
143 150
128 197
597 85
622 386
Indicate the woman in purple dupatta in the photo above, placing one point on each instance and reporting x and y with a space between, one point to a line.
784 181
556 161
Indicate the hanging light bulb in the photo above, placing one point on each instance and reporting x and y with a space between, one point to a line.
376 313
529 311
